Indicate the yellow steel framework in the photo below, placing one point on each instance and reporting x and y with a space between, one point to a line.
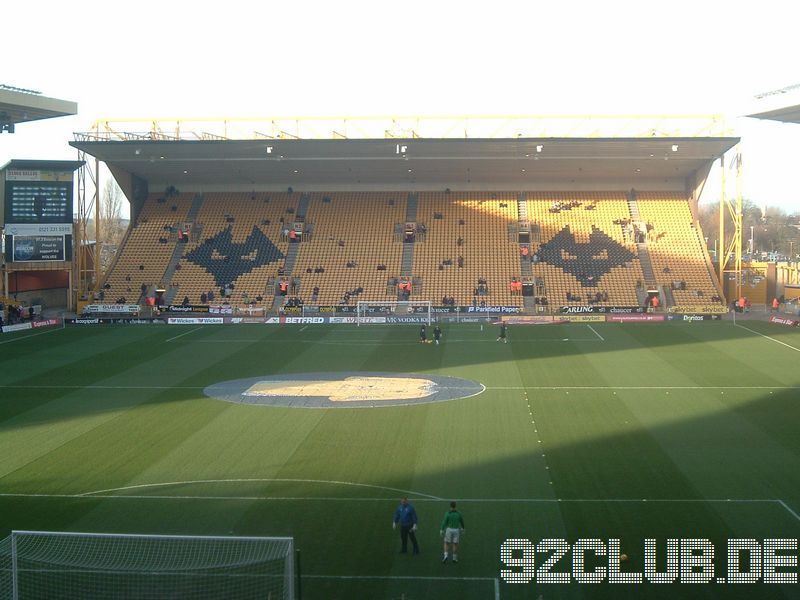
730 260
86 277
788 274
431 126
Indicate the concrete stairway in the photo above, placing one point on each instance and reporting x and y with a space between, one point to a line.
644 255
647 264
177 252
525 266
522 206
406 266
288 267
302 206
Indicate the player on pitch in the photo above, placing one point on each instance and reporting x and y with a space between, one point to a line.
451 530
503 331
406 517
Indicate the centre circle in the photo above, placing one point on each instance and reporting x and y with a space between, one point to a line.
353 389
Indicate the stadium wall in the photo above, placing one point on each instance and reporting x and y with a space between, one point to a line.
125 182
48 298
48 288
26 281
694 188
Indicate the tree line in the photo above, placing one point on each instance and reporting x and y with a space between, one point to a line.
771 232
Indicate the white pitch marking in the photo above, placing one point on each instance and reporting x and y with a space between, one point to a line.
104 387
303 328
602 339
368 342
772 339
786 506
304 576
259 480
19 339
184 333
645 387
494 580
423 498
199 497
489 388
401 577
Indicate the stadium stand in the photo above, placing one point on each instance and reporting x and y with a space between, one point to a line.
238 240
675 245
356 228
147 249
583 248
480 220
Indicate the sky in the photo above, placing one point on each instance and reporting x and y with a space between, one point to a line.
148 59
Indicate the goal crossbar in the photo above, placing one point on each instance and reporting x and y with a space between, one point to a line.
366 310
83 565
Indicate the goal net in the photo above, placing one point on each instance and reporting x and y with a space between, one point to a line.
365 309
38 564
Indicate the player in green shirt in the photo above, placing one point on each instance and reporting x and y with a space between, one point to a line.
451 530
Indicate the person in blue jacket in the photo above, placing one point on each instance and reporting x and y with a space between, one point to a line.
406 517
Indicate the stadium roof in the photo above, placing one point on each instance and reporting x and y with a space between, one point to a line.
20 106
42 165
521 163
779 105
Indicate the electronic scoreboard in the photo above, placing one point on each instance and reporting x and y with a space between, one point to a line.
38 201
37 210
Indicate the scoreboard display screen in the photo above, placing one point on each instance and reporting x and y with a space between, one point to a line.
36 213
38 202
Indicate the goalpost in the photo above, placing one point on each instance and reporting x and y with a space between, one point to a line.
43 564
404 308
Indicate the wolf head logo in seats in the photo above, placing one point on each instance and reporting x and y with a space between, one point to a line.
588 262
227 260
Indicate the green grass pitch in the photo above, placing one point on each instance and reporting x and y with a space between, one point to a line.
609 431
